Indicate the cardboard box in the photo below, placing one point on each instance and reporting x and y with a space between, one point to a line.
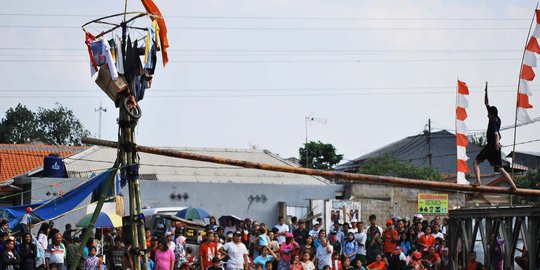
110 87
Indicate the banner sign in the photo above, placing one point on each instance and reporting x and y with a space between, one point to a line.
433 204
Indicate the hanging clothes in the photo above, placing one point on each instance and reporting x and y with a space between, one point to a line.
150 50
109 60
152 8
101 55
88 39
119 56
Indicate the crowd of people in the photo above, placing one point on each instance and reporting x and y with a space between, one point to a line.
403 243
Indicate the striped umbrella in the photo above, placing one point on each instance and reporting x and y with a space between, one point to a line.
104 220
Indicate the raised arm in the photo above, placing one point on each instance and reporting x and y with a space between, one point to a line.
486 100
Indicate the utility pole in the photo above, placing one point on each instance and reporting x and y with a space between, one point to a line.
100 110
429 142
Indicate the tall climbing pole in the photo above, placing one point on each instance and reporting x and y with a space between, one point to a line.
124 79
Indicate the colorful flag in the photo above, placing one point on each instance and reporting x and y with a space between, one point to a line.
461 132
527 74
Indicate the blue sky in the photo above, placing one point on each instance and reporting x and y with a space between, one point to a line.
248 72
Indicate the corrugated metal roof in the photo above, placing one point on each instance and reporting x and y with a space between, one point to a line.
415 149
162 168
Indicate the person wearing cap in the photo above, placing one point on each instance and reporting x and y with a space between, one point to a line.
416 261
492 150
26 221
118 257
315 229
237 253
287 250
168 240
390 238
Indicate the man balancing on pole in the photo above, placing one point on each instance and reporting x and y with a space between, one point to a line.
492 151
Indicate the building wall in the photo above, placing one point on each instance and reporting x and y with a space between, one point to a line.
217 198
387 201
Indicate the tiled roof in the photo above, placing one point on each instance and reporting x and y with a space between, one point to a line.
17 159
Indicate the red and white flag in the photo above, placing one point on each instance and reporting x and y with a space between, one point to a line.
461 132
527 74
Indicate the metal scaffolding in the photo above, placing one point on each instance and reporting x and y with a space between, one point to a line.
510 224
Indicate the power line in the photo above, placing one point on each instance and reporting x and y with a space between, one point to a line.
252 28
278 61
288 50
281 17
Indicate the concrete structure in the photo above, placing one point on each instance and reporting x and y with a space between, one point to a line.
526 158
219 189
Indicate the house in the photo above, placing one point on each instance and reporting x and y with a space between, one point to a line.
526 158
436 149
219 189
18 159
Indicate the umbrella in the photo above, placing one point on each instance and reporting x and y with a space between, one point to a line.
104 220
224 220
192 214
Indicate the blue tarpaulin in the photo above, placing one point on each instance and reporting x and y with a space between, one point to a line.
52 208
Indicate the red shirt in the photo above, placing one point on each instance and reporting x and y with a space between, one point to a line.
390 239
207 251
336 265
377 265
427 240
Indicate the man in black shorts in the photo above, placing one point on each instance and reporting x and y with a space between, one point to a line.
492 151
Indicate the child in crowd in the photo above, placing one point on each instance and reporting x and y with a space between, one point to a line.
92 262
347 264
216 264
307 264
295 264
358 265
336 262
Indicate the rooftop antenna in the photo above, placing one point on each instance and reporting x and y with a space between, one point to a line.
309 120
100 110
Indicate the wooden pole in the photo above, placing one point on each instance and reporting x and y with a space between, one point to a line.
354 177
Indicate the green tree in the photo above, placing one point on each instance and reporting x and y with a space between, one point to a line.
18 126
53 126
389 166
529 180
319 155
479 140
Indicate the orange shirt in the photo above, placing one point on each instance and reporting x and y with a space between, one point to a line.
377 265
390 239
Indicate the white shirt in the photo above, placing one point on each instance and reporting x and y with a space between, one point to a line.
171 245
323 256
282 229
236 254
439 234
361 239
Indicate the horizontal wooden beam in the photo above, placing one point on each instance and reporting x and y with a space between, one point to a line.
354 177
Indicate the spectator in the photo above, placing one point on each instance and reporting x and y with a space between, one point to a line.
378 264
347 264
294 224
334 241
317 241
267 255
118 257
164 257
212 224
26 221
282 229
307 264
237 253
360 237
169 242
92 262
216 264
315 229
390 238
55 253
27 252
374 248
296 264
301 233
495 248
336 262
9 257
358 265
308 247
287 250
397 260
207 250
350 247
433 258
473 264
405 244
230 227
426 240
323 255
